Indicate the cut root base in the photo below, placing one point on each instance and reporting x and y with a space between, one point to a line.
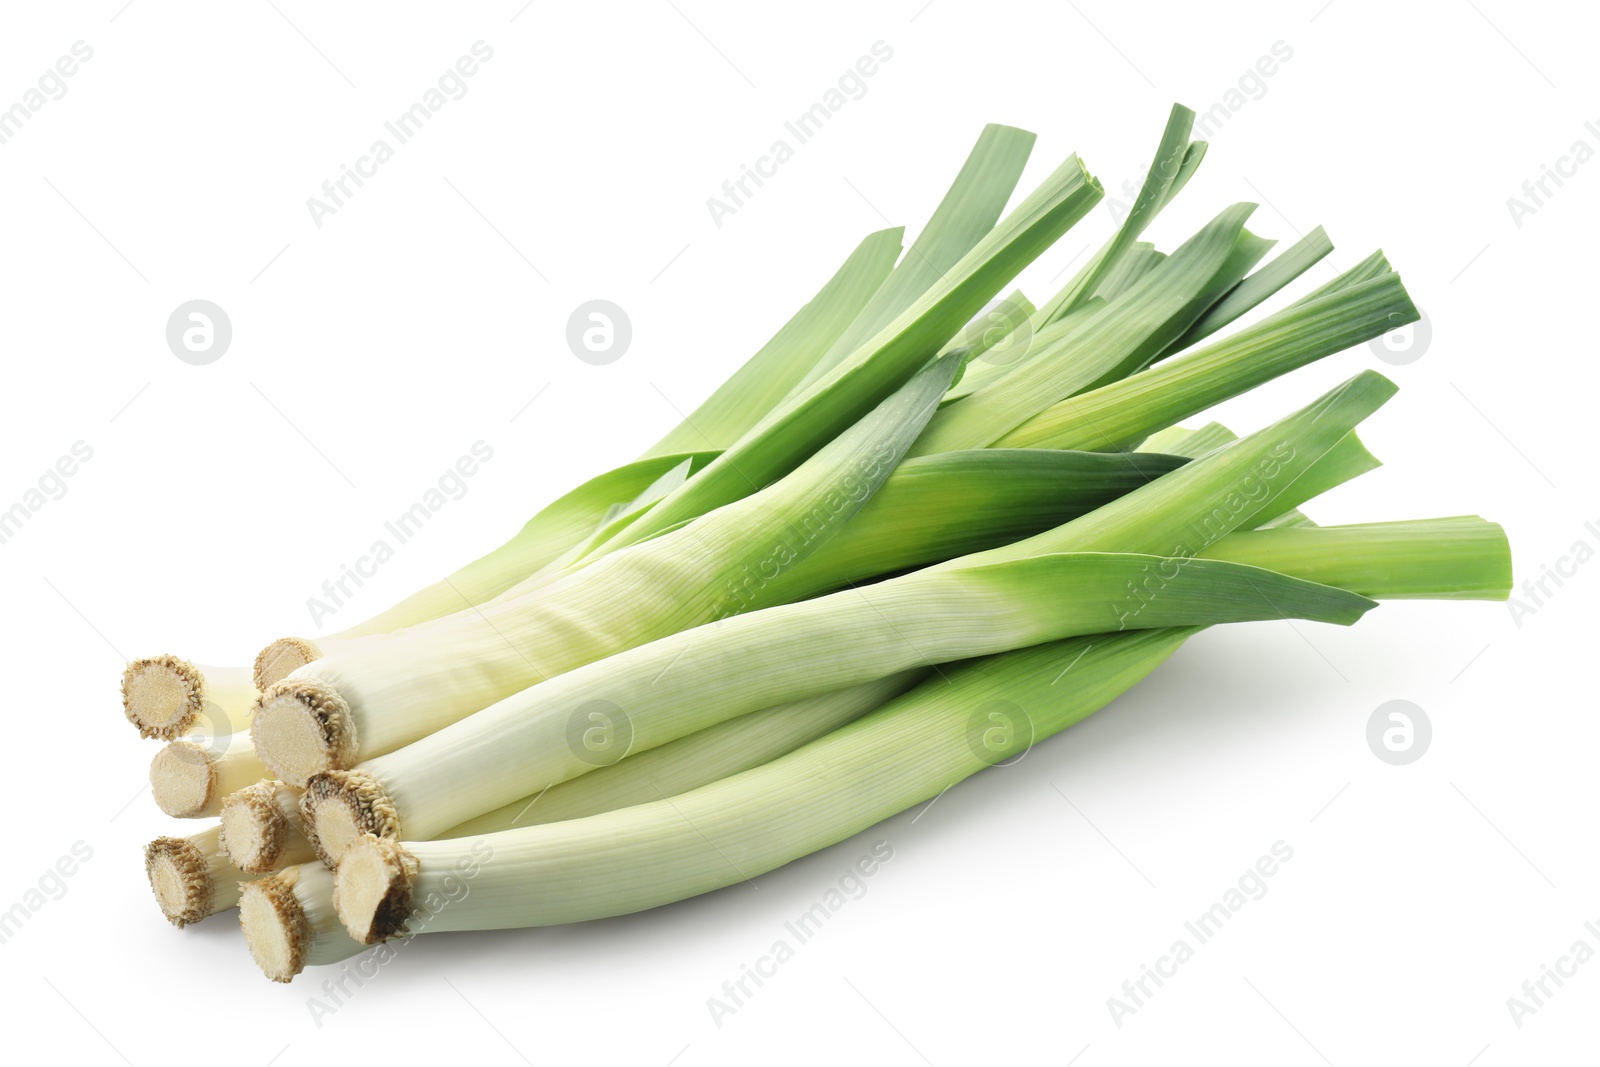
372 890
275 927
181 879
162 696
282 658
182 780
302 727
340 808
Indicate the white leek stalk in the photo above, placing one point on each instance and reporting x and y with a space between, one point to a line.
678 766
652 854
288 920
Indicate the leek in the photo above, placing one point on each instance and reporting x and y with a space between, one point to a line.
907 752
914 534
1066 581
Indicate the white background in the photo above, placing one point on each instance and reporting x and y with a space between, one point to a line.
426 314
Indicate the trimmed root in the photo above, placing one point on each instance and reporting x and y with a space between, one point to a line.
275 925
181 879
162 696
372 889
340 808
256 834
183 780
302 726
282 658
191 877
